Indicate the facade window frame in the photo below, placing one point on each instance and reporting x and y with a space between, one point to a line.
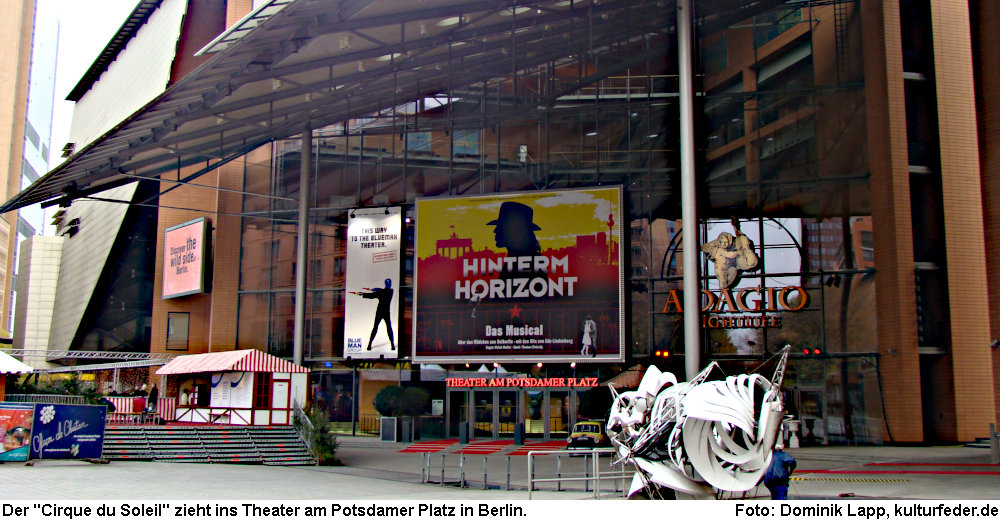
176 321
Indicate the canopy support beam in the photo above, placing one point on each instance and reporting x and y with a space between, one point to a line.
689 213
303 249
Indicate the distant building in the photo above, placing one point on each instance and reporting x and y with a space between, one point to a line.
37 132
15 47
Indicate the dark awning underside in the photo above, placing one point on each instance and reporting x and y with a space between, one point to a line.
319 62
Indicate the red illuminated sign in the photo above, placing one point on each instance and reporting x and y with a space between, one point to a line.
522 382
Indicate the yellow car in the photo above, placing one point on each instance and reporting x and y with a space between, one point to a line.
587 435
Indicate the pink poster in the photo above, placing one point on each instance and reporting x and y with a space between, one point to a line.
184 259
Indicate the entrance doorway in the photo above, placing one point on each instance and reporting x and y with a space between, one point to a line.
812 412
494 413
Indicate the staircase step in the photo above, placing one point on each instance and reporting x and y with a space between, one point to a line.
217 444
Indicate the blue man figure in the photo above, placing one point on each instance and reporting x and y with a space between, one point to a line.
778 472
382 313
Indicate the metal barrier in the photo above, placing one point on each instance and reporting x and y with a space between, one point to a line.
129 418
425 470
467 472
45 398
593 475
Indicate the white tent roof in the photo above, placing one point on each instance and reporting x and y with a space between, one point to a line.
9 365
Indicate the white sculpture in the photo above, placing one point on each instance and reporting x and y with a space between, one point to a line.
700 436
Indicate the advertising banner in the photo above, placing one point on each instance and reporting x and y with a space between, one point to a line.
68 431
184 258
232 390
15 431
371 310
528 276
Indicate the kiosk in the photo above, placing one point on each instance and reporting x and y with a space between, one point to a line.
245 387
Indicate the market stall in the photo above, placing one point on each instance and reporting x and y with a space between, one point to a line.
247 387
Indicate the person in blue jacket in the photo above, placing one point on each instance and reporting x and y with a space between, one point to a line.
778 472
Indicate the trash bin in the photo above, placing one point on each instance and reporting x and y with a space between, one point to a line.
519 434
406 429
463 432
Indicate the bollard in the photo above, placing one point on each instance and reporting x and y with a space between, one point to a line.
442 470
558 473
461 471
484 472
531 475
508 472
423 468
597 479
994 444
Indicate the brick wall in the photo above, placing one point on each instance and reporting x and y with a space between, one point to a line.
987 46
892 231
963 214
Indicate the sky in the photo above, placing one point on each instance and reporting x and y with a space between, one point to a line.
84 30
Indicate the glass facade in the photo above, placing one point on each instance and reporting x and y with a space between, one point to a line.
782 155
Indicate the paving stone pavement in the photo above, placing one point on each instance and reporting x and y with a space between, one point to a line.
375 470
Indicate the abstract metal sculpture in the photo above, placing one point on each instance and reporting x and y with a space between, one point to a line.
692 439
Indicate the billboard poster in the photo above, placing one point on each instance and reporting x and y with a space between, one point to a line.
528 276
15 431
372 281
232 390
184 258
68 431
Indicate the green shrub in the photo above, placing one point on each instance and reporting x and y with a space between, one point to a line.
414 401
387 401
324 444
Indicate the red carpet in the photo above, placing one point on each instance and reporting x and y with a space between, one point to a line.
429 446
540 446
486 447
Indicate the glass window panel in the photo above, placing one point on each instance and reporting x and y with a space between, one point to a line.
178 324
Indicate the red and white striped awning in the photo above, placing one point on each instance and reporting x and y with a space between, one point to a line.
250 360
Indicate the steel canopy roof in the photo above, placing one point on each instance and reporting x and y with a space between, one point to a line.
314 63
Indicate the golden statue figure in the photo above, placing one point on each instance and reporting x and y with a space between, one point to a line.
731 255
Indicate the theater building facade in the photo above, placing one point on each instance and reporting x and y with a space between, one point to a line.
499 190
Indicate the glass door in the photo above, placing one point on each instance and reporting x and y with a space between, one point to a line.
458 411
559 415
483 420
507 420
812 405
534 413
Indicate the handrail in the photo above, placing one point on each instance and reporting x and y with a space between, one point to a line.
304 427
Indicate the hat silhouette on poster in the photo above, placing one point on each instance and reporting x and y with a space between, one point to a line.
515 229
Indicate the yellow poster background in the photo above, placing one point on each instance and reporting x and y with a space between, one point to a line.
561 215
